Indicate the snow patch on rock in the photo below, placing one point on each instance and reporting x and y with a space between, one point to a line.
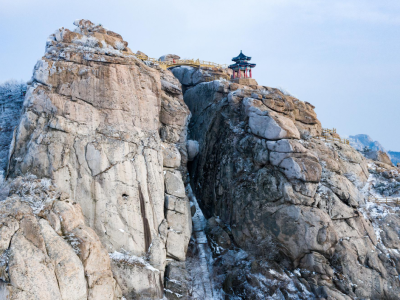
131 259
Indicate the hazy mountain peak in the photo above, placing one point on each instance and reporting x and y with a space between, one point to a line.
359 141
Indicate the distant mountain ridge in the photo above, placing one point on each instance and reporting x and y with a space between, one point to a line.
395 157
360 141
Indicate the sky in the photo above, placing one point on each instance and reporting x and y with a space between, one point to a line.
342 56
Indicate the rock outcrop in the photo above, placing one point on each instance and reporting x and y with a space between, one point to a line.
110 132
47 251
190 76
379 156
289 206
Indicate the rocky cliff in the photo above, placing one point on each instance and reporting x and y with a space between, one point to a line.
126 181
110 133
288 216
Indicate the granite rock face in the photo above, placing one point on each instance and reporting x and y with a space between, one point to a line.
47 251
287 201
111 133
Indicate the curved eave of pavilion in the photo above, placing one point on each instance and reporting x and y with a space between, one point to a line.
241 57
241 65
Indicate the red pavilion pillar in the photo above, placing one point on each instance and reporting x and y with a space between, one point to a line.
250 73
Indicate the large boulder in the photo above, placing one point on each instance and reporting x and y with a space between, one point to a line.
176 285
188 76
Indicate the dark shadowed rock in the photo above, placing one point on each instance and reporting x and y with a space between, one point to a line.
270 188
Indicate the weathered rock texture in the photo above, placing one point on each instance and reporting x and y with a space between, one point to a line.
289 207
46 250
190 76
111 133
384 180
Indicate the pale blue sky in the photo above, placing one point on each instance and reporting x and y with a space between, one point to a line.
342 56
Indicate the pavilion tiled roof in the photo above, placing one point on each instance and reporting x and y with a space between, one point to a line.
241 56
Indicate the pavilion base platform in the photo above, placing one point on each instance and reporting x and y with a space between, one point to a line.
245 81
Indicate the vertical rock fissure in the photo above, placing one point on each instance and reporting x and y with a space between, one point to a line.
204 251
153 208
146 227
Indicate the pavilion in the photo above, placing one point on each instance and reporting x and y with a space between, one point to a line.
241 68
